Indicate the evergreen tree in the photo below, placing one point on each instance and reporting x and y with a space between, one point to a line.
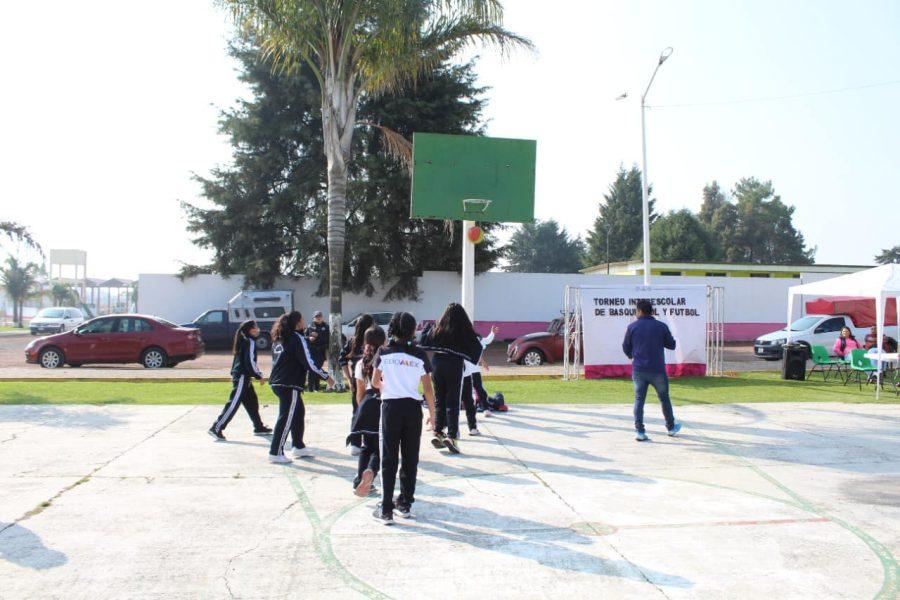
270 208
543 247
713 199
679 236
620 218
889 256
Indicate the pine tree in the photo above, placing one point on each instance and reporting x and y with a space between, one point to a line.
543 247
620 218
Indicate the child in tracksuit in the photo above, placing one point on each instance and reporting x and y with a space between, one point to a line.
473 387
454 341
367 419
243 370
350 356
290 362
400 368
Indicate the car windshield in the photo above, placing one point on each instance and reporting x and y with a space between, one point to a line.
804 323
555 326
51 313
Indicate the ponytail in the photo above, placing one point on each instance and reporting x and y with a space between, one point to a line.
374 339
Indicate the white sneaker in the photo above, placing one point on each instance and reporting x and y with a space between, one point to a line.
279 459
302 453
355 450
488 413
474 431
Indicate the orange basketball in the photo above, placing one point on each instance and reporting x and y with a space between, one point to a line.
476 235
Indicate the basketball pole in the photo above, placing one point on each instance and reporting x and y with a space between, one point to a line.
468 270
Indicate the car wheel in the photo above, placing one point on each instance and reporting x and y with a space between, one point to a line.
154 358
263 342
51 358
533 358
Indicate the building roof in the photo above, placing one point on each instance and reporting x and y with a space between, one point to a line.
719 266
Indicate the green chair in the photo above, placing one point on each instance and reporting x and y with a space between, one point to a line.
825 364
859 364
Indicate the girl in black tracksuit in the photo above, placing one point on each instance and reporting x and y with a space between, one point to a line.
453 340
400 368
367 419
291 361
350 356
243 370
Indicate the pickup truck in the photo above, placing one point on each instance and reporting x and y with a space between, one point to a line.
820 330
217 326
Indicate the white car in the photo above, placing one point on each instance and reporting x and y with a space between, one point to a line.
57 319
381 319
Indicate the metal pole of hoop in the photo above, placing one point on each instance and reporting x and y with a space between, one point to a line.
471 206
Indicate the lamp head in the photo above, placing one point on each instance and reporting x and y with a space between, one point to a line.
666 54
622 96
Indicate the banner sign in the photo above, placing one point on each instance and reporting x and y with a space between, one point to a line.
607 312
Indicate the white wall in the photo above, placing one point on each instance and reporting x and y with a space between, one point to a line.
517 297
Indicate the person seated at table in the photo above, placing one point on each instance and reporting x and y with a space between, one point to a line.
844 344
889 344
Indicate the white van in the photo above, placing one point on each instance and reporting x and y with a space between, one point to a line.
57 319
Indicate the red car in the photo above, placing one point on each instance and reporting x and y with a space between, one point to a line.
538 348
151 341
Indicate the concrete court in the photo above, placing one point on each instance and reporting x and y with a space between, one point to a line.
763 501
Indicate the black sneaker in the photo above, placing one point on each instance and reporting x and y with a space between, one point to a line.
402 508
262 431
451 445
438 440
216 434
384 517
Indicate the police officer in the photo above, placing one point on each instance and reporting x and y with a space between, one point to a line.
318 335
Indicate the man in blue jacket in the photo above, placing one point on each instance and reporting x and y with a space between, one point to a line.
646 341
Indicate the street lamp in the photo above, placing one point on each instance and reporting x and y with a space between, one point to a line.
644 192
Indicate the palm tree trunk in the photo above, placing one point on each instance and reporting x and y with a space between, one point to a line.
338 121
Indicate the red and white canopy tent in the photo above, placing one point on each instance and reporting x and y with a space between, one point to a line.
879 284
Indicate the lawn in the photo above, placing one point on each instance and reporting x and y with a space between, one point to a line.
10 328
745 387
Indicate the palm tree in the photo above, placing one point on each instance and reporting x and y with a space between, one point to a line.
62 294
360 47
19 281
18 233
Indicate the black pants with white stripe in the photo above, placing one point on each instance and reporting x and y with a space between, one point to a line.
401 432
242 392
291 419
448 383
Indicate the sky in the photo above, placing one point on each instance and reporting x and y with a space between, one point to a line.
109 108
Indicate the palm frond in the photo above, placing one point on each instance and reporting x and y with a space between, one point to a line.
395 145
19 233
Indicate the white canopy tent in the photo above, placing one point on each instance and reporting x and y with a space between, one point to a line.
879 283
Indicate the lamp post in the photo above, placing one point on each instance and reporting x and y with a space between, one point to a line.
645 192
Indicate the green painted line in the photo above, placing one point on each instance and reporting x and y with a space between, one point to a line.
889 588
322 540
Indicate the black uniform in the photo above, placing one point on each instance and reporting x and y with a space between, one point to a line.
243 369
448 379
349 358
402 367
365 427
318 349
291 361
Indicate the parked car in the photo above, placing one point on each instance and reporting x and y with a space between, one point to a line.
218 326
150 341
536 349
821 330
56 320
382 319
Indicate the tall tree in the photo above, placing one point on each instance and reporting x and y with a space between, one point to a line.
758 227
621 218
713 199
269 209
543 247
62 294
19 281
679 236
889 256
357 48
18 233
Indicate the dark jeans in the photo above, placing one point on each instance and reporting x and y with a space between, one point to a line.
242 392
469 402
312 379
291 419
448 382
479 390
401 432
660 383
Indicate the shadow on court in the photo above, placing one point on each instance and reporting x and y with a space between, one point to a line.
59 416
21 546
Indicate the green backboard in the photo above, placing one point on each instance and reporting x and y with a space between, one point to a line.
471 178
